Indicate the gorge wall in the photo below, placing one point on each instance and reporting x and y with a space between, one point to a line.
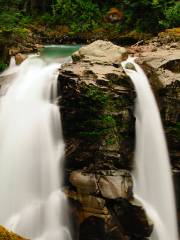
97 105
96 101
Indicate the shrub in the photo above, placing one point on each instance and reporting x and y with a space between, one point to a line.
3 66
172 14
80 15
13 19
148 16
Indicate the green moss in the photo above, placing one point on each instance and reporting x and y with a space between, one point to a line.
108 121
110 141
100 115
96 95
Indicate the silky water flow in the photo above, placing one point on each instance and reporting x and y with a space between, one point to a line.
31 153
152 174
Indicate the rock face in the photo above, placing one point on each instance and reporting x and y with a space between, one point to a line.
12 43
97 104
109 184
98 100
163 69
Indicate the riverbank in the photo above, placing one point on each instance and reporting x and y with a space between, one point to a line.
30 40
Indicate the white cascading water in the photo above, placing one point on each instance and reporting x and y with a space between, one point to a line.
153 181
31 153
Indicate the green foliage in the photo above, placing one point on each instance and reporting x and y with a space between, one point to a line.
3 66
96 95
99 126
110 141
47 19
108 121
89 15
96 122
147 16
80 15
172 16
14 21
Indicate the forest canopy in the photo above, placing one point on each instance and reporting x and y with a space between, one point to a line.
88 15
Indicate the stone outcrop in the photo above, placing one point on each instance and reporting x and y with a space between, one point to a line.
98 99
13 43
19 58
97 104
109 184
163 69
100 52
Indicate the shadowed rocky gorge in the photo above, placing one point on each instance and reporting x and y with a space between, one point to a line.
97 106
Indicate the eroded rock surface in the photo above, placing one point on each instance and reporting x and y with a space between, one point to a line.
97 104
109 184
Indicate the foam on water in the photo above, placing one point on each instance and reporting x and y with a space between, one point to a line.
153 181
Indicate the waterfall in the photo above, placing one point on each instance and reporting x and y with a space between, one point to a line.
153 181
31 153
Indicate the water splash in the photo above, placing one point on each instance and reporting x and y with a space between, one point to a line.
31 154
153 181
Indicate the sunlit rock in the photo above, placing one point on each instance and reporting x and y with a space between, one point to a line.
109 184
19 58
102 52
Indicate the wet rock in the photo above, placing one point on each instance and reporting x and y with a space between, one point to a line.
132 217
130 66
93 228
19 58
109 184
88 205
162 57
122 219
98 98
38 46
170 112
14 50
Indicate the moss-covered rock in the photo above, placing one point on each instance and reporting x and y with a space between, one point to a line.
98 99
7 235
